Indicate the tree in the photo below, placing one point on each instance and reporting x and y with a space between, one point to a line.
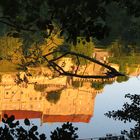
111 72
88 19
74 18
66 132
80 48
54 96
93 18
98 85
11 130
129 112
122 79
10 49
38 16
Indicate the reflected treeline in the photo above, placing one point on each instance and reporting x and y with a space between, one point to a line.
127 57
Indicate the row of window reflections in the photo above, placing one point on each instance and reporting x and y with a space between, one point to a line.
13 92
31 98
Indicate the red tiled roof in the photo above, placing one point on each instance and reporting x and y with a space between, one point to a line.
22 114
66 118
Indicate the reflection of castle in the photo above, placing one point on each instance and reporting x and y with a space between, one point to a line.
27 100
74 105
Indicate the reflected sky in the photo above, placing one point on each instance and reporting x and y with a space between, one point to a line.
112 98
49 101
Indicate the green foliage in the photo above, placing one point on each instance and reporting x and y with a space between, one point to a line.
29 13
35 54
97 85
124 55
82 47
10 48
33 21
79 18
109 82
89 19
92 20
123 26
28 20
122 79
100 85
122 50
53 96
125 61
77 84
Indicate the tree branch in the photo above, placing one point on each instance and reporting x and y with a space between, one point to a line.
111 73
78 64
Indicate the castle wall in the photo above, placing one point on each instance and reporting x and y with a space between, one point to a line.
72 101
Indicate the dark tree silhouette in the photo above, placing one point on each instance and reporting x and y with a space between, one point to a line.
11 130
73 18
129 112
66 132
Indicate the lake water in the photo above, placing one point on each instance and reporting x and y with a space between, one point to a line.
112 98
49 102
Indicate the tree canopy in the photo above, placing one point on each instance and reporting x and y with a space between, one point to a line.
73 18
100 21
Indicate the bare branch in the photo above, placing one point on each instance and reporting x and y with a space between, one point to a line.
88 76
111 73
59 57
61 69
50 53
78 65
85 69
92 60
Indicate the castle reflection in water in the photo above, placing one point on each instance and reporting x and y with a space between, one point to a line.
29 100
